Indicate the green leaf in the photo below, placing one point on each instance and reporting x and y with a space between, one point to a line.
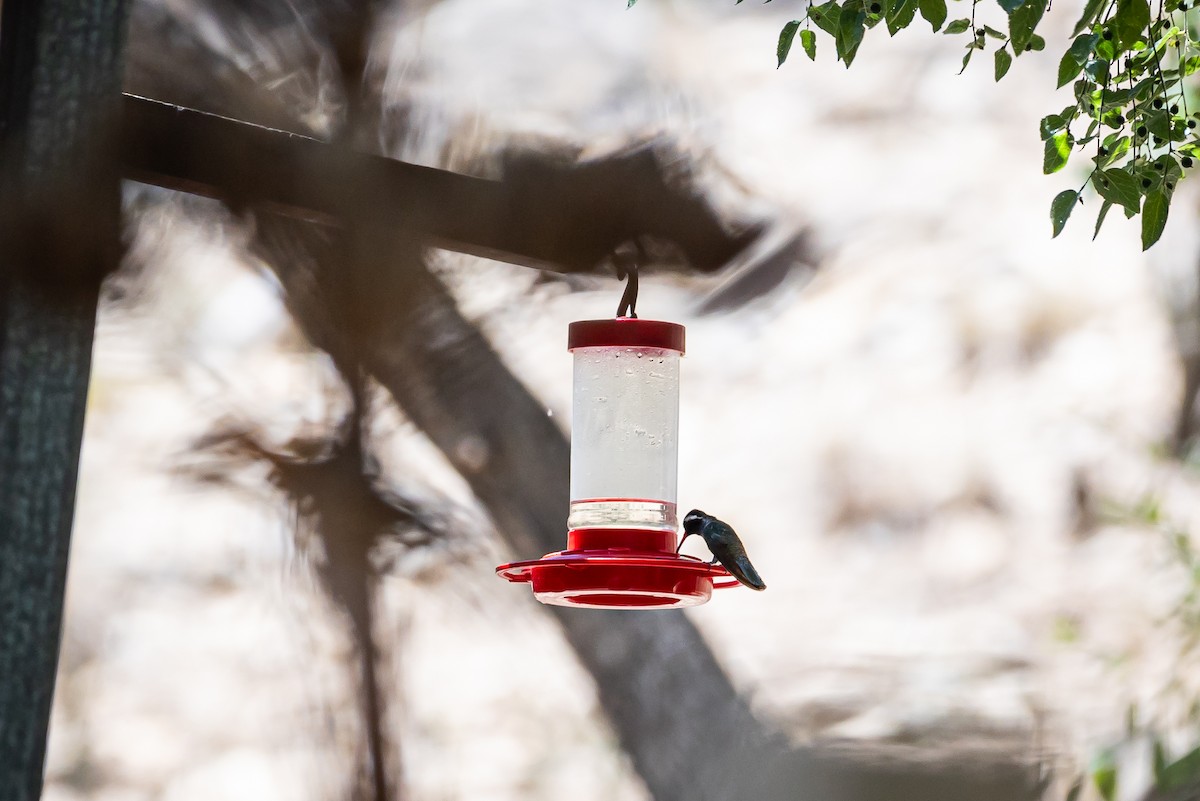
1160 764
1003 62
786 36
1053 123
1104 776
1115 150
966 60
957 26
934 12
850 33
1090 12
1061 208
1068 68
1100 218
1081 48
808 40
1169 173
1191 65
1186 769
899 14
1057 150
1120 187
995 34
1084 89
1158 123
1093 126
1037 43
1131 19
629 5
1154 217
826 16
1022 22
1097 70
1010 6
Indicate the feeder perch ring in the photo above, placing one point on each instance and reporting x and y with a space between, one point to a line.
636 575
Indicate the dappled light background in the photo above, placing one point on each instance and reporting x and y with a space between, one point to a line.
943 435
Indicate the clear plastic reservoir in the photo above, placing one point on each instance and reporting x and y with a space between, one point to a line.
625 425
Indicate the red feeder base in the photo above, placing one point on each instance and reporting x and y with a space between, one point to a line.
619 569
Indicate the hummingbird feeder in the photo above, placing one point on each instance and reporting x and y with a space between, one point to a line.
622 526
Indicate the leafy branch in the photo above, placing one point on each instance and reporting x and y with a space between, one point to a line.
1126 65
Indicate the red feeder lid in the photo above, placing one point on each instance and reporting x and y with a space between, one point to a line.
619 569
630 332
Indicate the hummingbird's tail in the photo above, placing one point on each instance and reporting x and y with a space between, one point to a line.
743 571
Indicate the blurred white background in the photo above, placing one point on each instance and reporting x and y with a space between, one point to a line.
932 449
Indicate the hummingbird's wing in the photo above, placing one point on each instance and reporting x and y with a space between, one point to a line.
727 547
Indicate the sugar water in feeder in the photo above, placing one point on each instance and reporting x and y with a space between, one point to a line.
622 523
625 424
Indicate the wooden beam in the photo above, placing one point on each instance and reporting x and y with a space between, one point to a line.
60 79
560 217
243 163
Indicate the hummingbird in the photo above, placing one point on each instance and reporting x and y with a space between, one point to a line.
726 548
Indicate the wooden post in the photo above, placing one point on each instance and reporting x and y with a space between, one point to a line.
60 81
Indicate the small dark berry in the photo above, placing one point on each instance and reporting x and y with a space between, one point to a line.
1158 166
1102 151
1141 130
1118 121
1107 34
1191 123
1157 142
979 33
1186 161
875 7
1158 102
1145 182
1174 108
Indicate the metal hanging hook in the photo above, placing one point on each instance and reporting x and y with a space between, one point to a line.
626 262
628 305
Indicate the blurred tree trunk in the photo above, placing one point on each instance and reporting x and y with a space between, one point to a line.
60 78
